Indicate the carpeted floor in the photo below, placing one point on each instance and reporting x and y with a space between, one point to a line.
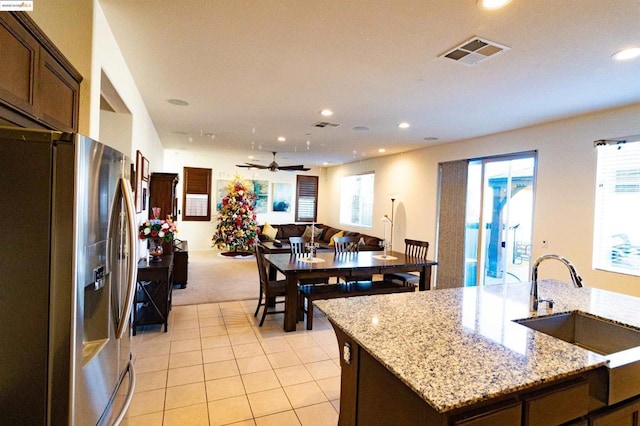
216 278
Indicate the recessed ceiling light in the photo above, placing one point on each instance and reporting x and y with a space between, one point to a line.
325 164
627 54
178 102
404 125
381 150
281 139
492 4
326 112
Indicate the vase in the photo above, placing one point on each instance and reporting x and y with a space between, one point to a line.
155 250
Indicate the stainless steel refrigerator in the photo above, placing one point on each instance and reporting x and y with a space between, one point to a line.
67 279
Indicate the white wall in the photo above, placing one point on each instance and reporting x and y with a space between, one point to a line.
565 192
222 163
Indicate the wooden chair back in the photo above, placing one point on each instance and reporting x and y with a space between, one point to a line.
347 244
297 245
262 268
416 248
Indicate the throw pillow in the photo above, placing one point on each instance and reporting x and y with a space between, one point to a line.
269 231
337 234
308 231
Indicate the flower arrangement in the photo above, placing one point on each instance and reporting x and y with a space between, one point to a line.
158 230
237 227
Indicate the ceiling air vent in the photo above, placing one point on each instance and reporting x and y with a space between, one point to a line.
325 124
474 50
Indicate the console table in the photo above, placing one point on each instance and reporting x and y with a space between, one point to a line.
153 293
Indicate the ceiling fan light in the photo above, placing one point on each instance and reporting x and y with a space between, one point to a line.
326 112
492 4
626 54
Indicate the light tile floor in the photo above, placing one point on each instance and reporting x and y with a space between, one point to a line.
215 366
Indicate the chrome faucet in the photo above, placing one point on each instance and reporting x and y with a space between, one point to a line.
534 300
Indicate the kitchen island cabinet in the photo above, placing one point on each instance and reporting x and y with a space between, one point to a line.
457 357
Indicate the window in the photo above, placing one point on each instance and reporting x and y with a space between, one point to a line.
306 198
196 194
616 242
356 200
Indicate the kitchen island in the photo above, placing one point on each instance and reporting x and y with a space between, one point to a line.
456 357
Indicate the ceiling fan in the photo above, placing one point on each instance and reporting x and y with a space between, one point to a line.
274 167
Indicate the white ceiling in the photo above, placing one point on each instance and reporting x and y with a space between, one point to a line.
253 70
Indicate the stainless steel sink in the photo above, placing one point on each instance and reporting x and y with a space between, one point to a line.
592 333
619 343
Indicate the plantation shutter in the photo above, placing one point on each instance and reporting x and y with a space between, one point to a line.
306 198
197 194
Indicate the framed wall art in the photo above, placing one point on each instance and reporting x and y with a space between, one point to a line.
281 197
139 196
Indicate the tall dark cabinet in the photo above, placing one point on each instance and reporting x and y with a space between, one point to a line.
162 193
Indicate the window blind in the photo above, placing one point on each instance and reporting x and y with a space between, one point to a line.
616 242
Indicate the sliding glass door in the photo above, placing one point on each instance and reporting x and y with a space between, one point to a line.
499 218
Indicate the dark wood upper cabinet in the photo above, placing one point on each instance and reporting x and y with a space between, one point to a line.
38 86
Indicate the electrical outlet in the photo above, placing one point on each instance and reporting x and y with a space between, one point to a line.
545 244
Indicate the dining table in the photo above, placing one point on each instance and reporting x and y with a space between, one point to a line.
331 264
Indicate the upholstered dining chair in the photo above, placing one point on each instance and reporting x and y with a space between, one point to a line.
412 248
349 244
268 289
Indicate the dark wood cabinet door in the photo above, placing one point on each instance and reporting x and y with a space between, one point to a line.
57 95
38 86
18 67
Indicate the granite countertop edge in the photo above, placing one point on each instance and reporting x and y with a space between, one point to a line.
457 347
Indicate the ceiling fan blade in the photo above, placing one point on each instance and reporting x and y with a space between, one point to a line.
252 166
299 167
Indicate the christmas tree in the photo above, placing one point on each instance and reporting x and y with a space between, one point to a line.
237 227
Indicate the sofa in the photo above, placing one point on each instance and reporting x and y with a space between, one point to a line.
284 231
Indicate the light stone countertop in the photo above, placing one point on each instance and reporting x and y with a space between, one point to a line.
456 347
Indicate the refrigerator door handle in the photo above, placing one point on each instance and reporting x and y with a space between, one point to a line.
129 397
132 270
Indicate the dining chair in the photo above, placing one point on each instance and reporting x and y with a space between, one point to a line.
299 248
412 248
345 245
269 290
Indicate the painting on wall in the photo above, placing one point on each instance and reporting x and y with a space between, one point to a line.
259 187
282 194
261 190
221 191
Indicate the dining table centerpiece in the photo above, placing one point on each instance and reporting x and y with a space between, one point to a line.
156 231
